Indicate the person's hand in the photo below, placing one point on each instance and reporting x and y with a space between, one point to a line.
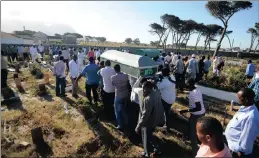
137 131
239 154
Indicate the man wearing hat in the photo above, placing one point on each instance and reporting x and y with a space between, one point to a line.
192 68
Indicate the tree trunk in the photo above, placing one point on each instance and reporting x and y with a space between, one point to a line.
173 36
187 40
229 43
220 40
252 43
232 43
209 45
165 39
197 41
256 46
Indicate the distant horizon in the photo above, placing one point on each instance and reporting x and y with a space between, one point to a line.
117 21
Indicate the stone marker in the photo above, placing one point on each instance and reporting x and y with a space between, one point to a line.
15 76
18 82
42 88
37 136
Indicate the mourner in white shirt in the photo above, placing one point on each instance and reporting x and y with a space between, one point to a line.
108 89
81 57
34 53
196 109
168 92
74 72
97 53
41 49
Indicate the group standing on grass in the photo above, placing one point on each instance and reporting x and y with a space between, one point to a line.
145 103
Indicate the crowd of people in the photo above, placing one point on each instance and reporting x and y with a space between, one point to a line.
145 103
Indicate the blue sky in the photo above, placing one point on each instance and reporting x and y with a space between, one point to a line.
119 20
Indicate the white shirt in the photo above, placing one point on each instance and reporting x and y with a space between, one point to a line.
196 96
65 54
168 59
174 59
41 48
106 74
242 130
33 51
167 90
81 55
73 69
97 53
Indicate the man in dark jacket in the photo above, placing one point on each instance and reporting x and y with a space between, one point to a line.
151 114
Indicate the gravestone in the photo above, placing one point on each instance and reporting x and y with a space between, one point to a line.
15 76
18 82
37 136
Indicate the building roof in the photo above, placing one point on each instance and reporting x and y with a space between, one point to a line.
70 35
7 35
40 35
25 36
54 37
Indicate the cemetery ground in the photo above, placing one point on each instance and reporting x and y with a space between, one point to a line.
83 131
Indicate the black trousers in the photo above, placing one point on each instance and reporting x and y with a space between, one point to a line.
4 73
15 56
91 88
108 102
25 56
133 113
167 108
60 86
179 80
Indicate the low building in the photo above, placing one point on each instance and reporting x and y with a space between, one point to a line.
54 40
8 38
69 39
40 38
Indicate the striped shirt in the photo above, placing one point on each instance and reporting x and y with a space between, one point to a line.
194 97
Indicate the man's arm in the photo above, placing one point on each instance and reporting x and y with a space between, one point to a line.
145 114
81 74
197 108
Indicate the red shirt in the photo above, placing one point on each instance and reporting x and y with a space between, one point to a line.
90 54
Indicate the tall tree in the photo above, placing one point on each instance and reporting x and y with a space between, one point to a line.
257 30
136 41
254 35
227 35
200 28
224 10
190 28
210 32
128 40
158 30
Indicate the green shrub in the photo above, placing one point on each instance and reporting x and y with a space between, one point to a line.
232 79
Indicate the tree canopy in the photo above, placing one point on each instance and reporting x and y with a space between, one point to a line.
224 10
128 40
136 41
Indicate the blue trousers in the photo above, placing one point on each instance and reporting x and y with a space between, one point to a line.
120 111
